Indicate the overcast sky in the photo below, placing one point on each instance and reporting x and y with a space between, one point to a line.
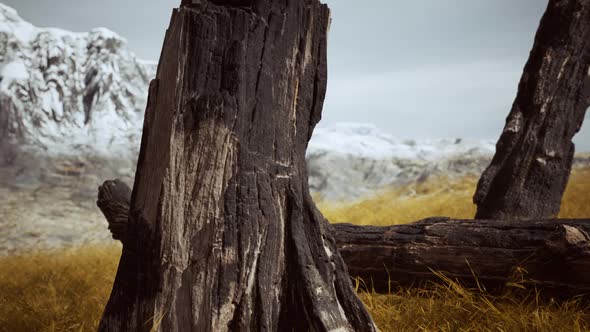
417 69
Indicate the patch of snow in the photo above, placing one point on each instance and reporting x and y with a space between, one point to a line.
67 93
10 21
368 141
148 62
14 71
106 33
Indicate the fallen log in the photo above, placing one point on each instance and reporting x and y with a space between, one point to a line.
553 255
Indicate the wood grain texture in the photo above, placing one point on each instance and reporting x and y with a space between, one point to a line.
223 234
554 253
529 172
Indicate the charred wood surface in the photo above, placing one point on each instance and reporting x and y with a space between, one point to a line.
529 172
223 234
553 255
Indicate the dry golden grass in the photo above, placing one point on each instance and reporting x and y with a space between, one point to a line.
450 307
443 197
67 290
414 202
576 200
63 290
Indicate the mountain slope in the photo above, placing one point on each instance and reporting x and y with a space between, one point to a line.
62 91
71 113
71 109
349 161
65 94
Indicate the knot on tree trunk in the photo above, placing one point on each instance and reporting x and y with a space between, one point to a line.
568 240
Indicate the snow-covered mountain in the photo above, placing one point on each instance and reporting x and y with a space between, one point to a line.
71 112
66 93
348 161
71 106
67 100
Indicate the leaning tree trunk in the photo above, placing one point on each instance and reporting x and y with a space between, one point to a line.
223 234
529 173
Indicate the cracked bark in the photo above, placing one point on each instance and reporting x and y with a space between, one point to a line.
554 253
529 172
222 232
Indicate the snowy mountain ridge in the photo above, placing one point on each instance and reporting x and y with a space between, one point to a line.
72 105
368 141
66 93
348 161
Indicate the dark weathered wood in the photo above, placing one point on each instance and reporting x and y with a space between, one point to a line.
529 172
113 201
554 253
222 232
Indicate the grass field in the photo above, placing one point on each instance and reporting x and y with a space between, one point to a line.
443 197
67 290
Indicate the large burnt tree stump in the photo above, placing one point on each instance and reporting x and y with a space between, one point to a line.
223 233
530 170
